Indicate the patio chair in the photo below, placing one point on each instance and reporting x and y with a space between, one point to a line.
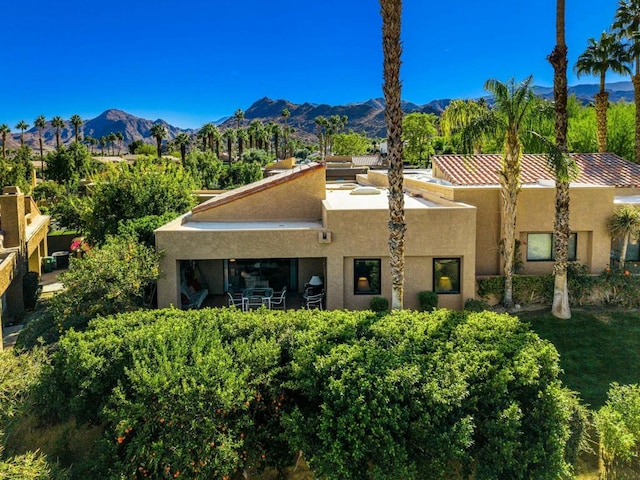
191 298
234 300
278 300
314 301
254 301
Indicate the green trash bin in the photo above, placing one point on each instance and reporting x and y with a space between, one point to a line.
48 264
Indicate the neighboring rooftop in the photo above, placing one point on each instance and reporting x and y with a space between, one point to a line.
366 198
595 169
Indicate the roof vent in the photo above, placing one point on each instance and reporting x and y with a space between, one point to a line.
365 191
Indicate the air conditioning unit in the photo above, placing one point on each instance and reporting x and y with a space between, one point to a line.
324 237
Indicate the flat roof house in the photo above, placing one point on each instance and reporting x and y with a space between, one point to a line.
281 231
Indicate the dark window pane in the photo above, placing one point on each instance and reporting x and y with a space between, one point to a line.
366 276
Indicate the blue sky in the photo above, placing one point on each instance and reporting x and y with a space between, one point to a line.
191 62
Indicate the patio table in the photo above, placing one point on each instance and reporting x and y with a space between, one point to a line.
265 295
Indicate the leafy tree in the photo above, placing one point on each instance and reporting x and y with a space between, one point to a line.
76 122
119 276
133 146
241 173
456 117
159 132
619 432
71 210
58 124
351 143
620 129
204 167
626 25
391 12
142 229
22 126
256 155
132 191
625 225
18 171
4 131
68 165
602 55
418 130
41 123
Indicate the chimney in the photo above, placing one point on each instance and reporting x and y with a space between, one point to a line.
12 218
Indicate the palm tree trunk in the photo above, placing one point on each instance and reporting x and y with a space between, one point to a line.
561 230
636 93
391 11
623 251
510 182
602 101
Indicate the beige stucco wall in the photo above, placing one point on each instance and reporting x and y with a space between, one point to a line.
299 199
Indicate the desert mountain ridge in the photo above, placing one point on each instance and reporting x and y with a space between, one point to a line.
365 117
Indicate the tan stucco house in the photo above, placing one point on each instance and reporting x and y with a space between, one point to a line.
281 231
24 244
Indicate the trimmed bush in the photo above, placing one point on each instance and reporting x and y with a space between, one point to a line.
30 289
428 301
379 304
475 305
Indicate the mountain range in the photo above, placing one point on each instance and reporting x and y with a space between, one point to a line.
366 117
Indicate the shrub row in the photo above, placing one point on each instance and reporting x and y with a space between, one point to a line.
212 393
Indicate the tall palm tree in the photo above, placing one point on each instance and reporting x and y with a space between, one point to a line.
322 125
275 132
111 138
239 116
242 136
285 114
230 136
563 167
76 121
159 132
4 131
512 109
183 140
214 140
602 55
625 225
22 126
626 24
120 138
41 124
205 133
57 123
103 143
391 12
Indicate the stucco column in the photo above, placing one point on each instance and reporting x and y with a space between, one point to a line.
14 224
334 282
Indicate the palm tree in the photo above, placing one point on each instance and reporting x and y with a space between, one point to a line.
563 167
242 136
322 125
159 132
103 143
230 136
285 114
111 138
275 131
57 123
511 110
183 140
391 12
627 25
41 124
239 116
205 133
625 225
22 126
120 138
602 55
76 121
4 131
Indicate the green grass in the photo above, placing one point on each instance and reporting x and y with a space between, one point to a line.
596 348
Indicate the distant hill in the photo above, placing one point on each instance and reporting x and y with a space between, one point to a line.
367 117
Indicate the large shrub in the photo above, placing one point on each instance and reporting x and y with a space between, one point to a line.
211 393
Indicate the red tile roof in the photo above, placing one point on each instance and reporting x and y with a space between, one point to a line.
595 168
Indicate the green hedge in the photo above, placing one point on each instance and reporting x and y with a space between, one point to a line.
210 393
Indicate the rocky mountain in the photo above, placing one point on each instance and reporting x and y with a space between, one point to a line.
367 117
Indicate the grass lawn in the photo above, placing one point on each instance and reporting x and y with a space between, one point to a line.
596 347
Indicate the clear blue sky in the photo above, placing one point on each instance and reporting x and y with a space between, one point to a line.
190 62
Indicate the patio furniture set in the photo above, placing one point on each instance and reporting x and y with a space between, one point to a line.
252 298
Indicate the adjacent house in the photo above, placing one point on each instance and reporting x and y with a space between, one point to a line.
284 230
24 231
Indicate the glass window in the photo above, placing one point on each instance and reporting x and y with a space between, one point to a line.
366 276
540 247
446 275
